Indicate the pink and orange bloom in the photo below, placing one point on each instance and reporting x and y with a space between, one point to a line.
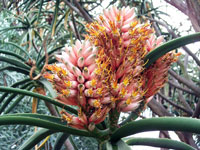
106 71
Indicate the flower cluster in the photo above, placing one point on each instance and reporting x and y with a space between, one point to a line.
106 71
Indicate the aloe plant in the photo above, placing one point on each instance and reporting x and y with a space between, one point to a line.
101 120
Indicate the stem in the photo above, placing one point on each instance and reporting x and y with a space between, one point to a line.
113 118
157 142
42 97
153 124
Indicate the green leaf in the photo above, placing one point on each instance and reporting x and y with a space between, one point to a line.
14 68
73 142
53 26
17 46
49 87
60 141
49 53
36 138
12 96
40 9
12 106
12 54
66 13
12 28
132 116
168 46
122 145
42 97
14 85
108 146
49 122
15 62
15 16
158 142
153 124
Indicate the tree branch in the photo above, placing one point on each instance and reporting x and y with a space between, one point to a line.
123 3
189 84
190 112
193 13
158 109
197 110
183 101
72 7
75 28
179 5
176 85
83 12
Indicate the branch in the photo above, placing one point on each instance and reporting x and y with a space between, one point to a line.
52 109
179 5
190 112
83 12
193 7
72 7
123 3
75 28
4 4
197 110
176 85
158 109
189 84
184 102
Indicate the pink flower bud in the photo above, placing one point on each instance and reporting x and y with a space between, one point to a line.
76 71
130 107
90 59
80 62
86 73
80 79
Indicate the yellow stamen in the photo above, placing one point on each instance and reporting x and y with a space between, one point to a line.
123 92
114 99
68 119
48 76
134 93
49 67
80 112
126 81
99 91
97 103
64 72
66 92
68 84
90 92
115 85
98 113
144 92
97 71
128 101
133 24
118 17
131 58
146 62
56 68
101 18
93 82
